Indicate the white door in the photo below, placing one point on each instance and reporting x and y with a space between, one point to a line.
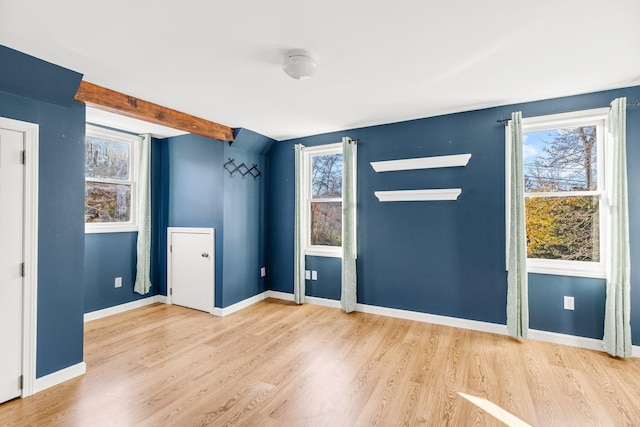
191 267
11 258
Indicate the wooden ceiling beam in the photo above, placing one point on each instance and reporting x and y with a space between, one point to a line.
116 102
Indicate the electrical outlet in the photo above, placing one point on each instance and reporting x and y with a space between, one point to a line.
307 275
568 303
118 282
314 275
263 271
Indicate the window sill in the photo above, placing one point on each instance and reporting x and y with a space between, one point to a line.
90 229
326 252
567 268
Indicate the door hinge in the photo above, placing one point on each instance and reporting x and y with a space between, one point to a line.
24 157
21 381
170 291
170 248
23 270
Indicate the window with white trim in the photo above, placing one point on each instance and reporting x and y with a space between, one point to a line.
565 193
110 181
323 188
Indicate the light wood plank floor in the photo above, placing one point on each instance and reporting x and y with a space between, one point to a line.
278 364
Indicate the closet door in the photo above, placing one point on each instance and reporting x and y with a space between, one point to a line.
191 267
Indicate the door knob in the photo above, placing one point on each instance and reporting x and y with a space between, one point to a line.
205 255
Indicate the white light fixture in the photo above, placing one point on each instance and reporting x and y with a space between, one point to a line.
300 64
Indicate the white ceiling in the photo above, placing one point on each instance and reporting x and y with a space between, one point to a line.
380 61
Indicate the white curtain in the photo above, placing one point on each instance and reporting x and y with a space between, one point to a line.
143 267
348 298
517 287
617 326
300 226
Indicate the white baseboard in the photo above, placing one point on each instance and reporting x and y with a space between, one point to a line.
455 322
552 337
280 295
239 305
109 311
60 376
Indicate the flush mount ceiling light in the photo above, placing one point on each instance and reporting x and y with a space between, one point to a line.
300 64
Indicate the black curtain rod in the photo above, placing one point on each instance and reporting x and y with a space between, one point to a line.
629 104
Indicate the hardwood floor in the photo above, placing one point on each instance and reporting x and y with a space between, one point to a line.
277 364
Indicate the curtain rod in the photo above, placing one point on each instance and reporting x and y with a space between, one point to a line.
629 104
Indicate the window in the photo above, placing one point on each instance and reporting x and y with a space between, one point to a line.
323 188
110 181
563 158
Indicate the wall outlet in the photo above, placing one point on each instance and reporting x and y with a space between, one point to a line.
314 275
263 271
568 303
307 275
118 282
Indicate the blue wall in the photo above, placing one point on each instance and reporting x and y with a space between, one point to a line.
244 228
446 257
61 200
111 255
196 191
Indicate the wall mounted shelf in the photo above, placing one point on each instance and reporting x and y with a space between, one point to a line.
418 195
422 163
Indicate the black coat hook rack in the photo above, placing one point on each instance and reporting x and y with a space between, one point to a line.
242 169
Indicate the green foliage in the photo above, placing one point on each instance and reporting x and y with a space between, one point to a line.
565 228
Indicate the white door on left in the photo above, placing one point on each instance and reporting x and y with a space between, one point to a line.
11 258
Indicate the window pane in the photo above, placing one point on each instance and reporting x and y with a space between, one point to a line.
565 228
106 159
326 223
326 176
107 202
560 159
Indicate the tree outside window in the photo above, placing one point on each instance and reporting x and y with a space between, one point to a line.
109 180
326 200
563 160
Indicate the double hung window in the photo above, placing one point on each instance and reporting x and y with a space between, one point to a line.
565 196
110 180
323 187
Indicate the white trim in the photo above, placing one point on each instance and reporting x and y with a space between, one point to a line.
328 251
116 309
474 325
558 267
564 339
60 376
221 312
418 195
421 163
285 296
635 351
31 132
568 119
436 319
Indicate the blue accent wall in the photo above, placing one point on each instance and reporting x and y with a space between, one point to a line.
196 191
61 202
244 228
111 255
447 257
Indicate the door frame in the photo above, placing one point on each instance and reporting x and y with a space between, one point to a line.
30 133
193 230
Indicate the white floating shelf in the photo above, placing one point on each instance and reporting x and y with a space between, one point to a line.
418 195
422 163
